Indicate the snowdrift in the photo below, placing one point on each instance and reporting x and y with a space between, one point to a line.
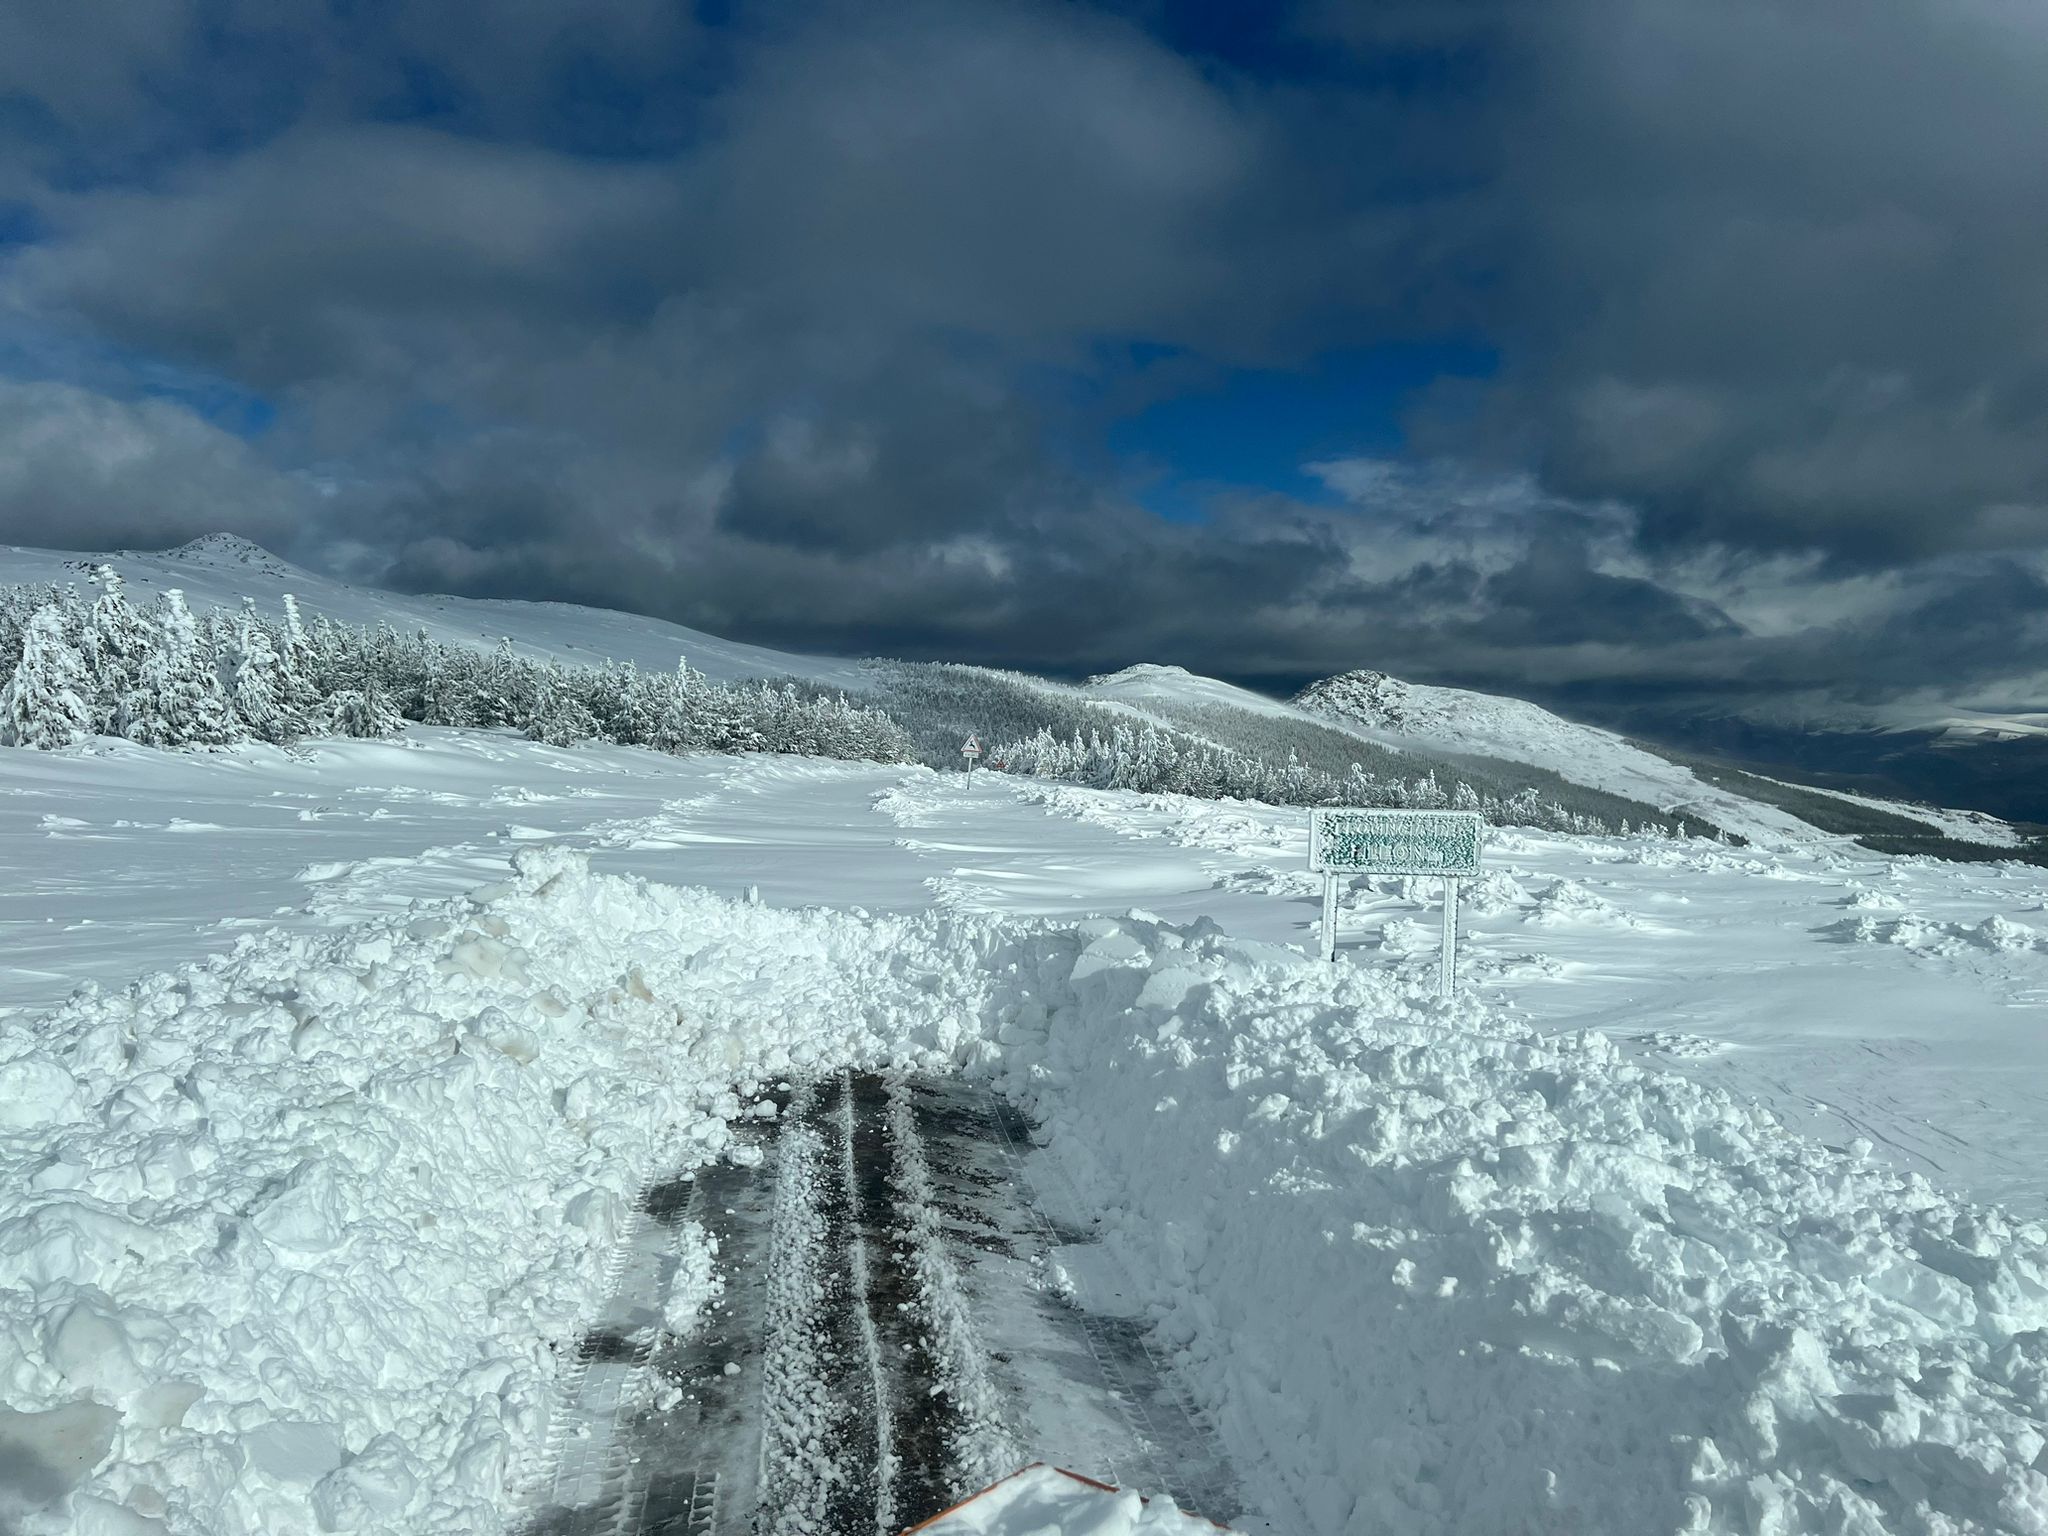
288 1236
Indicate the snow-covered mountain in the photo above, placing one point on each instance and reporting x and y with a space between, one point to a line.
1458 720
221 569
1149 682
1410 717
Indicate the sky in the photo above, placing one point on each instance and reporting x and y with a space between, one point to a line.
1631 354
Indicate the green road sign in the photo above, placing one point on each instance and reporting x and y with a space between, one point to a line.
1360 842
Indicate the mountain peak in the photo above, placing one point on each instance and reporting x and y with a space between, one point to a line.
1138 673
1364 696
227 550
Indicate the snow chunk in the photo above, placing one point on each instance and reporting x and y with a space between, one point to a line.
303 1211
294 1450
36 1091
370 1492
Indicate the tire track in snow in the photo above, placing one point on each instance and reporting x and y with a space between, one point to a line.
864 1299
980 1441
802 1463
895 1331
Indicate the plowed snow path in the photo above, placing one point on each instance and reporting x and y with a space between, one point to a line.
902 1322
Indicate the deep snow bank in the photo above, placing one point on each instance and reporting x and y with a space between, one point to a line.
284 1237
1451 1276
303 1221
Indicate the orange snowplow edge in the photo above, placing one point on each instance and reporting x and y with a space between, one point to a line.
1063 1472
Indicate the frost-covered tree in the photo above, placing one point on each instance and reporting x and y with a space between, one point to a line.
452 693
559 717
177 700
46 702
113 642
18 605
676 726
365 713
217 639
258 690
298 667
173 678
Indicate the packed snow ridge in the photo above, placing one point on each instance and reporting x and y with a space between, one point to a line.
294 1230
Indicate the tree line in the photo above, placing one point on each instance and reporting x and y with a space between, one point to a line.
80 666
1154 761
164 676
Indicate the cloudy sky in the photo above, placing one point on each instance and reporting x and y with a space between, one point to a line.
1606 350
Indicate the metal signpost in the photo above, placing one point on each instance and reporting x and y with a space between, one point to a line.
971 749
1357 842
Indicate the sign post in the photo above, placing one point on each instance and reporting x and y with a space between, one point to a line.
971 749
1361 842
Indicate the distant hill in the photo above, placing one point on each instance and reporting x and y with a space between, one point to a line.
1388 710
221 569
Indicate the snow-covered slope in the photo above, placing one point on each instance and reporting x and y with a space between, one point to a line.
1151 683
1406 716
221 569
1402 714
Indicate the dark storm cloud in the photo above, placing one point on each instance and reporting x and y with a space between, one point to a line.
1783 284
776 326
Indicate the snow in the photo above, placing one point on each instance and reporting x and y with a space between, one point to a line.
1428 1267
1933 1050
1403 714
219 570
329 1079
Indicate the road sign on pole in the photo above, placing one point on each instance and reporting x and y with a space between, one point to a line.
1342 841
971 749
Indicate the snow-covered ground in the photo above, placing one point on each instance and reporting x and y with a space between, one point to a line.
1714 1204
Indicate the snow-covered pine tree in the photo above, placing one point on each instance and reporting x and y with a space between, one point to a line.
18 605
559 718
177 700
728 718
676 727
336 658
113 642
451 691
297 667
633 704
396 666
217 639
46 701
363 712
258 690
510 688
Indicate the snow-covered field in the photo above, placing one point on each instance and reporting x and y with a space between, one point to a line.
1714 1203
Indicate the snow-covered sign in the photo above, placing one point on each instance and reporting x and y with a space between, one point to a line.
1359 842
1342 841
971 749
